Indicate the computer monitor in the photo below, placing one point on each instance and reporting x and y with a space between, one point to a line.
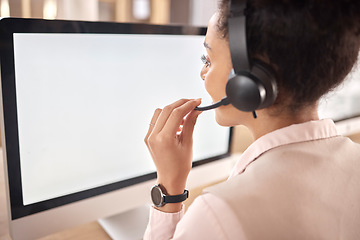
77 99
342 104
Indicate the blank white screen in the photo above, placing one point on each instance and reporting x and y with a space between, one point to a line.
84 104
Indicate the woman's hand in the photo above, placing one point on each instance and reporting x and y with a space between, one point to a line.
169 141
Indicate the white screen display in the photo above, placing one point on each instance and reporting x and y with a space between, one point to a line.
343 102
84 103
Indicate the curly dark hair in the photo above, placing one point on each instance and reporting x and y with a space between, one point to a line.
312 45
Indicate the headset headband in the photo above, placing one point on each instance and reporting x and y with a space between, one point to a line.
237 36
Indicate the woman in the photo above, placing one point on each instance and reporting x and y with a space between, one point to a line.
305 182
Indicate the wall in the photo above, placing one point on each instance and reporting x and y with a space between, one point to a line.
201 11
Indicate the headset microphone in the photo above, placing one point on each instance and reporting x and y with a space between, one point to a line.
223 102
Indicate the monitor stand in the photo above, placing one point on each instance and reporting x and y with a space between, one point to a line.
127 225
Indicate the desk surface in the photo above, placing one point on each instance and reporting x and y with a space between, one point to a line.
89 231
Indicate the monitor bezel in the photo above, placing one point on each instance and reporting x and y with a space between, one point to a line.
9 26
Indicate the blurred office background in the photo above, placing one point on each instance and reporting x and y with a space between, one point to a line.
189 12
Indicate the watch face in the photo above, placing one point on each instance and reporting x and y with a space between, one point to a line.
156 196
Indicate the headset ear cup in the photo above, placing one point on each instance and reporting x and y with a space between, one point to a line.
266 76
254 85
244 93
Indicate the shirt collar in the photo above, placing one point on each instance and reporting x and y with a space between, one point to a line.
308 131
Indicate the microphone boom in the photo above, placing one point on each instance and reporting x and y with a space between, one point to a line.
223 102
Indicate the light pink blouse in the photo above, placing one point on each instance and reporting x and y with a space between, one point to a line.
209 217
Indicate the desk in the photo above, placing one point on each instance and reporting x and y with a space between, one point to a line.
89 231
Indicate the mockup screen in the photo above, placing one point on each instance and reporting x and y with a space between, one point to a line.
85 101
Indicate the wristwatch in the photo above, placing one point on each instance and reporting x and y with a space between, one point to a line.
160 198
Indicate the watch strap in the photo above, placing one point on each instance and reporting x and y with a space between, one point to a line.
176 198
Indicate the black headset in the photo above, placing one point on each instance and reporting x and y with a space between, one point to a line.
251 85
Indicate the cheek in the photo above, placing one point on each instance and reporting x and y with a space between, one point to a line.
215 84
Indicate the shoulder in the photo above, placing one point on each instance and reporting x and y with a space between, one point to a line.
281 173
310 154
284 183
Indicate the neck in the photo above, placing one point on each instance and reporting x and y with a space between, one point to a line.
267 122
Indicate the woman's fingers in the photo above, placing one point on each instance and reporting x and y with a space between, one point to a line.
176 117
168 122
152 124
165 113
